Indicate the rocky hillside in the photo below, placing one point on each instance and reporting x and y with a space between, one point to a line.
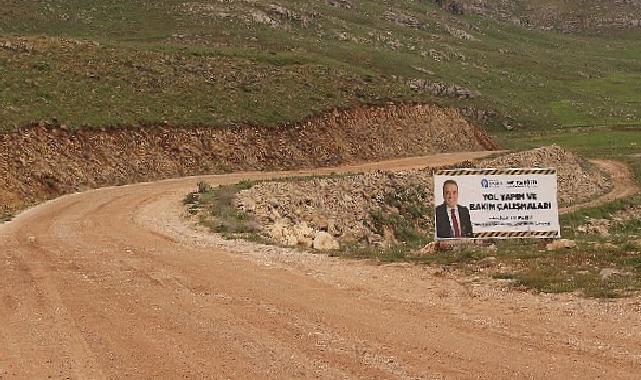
385 207
45 161
562 15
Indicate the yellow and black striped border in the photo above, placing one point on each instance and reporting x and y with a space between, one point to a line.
523 234
509 171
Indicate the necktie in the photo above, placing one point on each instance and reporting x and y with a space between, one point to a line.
457 230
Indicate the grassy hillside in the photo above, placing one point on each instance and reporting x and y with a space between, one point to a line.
103 63
573 16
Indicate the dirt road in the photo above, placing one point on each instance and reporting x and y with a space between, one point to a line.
114 283
623 184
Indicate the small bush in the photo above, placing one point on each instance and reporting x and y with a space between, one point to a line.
217 210
6 217
204 187
191 198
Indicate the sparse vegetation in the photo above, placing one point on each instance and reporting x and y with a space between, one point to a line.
216 210
600 266
5 217
593 272
406 213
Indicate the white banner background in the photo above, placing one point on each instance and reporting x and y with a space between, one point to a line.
491 201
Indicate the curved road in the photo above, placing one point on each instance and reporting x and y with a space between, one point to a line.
112 283
623 185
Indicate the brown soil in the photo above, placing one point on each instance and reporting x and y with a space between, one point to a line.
623 185
112 283
40 163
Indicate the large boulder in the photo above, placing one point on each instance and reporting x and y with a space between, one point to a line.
283 235
325 241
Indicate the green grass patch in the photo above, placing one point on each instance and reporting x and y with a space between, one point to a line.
589 142
591 272
584 270
214 63
216 210
403 215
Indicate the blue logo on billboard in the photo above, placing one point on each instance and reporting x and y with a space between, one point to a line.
490 183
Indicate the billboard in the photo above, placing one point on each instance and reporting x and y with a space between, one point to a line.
496 203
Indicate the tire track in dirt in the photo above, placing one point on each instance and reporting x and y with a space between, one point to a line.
151 297
623 185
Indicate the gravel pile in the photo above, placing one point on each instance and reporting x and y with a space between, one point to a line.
340 206
346 207
578 180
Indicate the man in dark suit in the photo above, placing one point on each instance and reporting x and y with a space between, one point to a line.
452 220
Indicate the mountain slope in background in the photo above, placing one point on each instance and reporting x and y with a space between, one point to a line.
594 16
104 63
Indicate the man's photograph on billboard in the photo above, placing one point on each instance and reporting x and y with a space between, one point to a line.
495 203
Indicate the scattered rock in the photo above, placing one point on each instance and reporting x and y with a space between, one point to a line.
347 4
606 273
572 17
578 179
304 235
595 226
325 241
458 33
441 89
273 15
281 234
261 17
346 206
17 46
403 19
428 249
605 246
341 206
560 244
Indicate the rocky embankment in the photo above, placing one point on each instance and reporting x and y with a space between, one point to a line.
43 161
579 180
372 207
294 212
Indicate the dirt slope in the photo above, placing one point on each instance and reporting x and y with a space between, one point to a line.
40 163
113 284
